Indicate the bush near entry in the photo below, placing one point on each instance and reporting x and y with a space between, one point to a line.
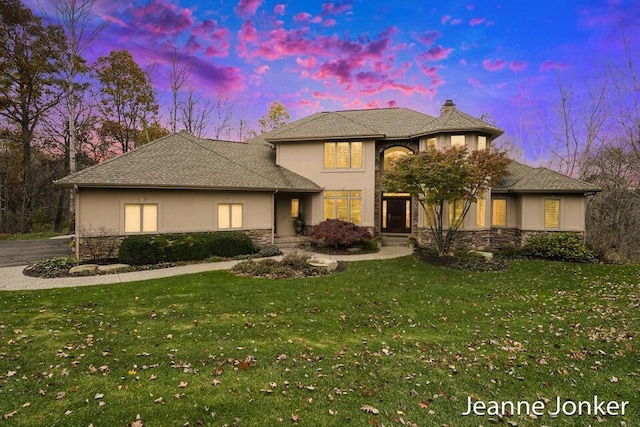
339 234
156 248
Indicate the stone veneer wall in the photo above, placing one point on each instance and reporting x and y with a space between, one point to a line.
380 147
472 239
495 238
112 243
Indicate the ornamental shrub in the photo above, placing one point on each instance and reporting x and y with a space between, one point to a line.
559 247
156 248
339 234
52 267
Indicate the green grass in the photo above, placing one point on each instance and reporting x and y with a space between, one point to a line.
411 340
31 236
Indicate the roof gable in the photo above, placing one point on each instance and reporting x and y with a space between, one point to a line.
184 161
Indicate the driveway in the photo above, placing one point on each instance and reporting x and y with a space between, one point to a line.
24 252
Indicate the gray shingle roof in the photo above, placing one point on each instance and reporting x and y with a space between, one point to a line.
389 123
182 160
526 179
453 120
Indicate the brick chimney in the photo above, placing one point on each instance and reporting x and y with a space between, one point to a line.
447 106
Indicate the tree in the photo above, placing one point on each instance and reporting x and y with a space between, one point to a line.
127 99
276 116
77 18
178 76
435 177
195 114
30 56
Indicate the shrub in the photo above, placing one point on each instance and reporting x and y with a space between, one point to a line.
268 251
339 234
291 266
558 247
52 267
152 249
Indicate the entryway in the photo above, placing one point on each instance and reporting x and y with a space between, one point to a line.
396 213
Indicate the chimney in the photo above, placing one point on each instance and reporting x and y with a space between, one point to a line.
448 105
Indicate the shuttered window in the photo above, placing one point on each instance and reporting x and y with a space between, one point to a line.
552 213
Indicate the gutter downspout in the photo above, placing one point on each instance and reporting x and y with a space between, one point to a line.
76 196
273 213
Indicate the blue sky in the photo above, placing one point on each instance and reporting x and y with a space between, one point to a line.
500 58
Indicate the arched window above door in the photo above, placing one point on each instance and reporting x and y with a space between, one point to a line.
390 155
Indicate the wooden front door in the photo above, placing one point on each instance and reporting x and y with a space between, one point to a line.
396 215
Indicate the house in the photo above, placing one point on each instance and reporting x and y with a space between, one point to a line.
327 165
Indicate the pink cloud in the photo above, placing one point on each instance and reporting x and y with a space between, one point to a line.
302 16
160 19
429 38
456 21
263 69
496 65
330 8
517 66
329 23
475 82
470 7
248 7
550 65
279 9
476 21
308 63
462 61
437 53
445 19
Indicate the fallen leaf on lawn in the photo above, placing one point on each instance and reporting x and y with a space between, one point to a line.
158 400
60 395
9 415
137 422
26 405
332 412
101 403
183 384
215 382
370 409
98 396
153 377
295 418
424 405
614 379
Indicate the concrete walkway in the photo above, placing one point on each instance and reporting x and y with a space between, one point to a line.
12 279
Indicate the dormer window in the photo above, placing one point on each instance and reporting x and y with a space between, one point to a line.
457 141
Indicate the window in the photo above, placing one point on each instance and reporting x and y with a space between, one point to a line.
229 216
455 212
499 213
551 213
431 143
481 211
295 208
391 155
482 143
457 141
140 218
342 155
344 205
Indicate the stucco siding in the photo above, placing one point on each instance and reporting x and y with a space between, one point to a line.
307 159
178 210
571 212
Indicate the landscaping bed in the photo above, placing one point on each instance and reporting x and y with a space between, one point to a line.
462 260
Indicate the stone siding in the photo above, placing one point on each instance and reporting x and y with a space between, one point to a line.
471 239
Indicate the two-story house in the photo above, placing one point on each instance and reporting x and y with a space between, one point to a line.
327 165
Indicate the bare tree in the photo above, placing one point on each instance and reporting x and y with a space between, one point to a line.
576 125
224 113
196 113
178 76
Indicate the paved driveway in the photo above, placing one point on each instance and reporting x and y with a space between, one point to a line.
25 252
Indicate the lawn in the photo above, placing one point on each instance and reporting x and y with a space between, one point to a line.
386 343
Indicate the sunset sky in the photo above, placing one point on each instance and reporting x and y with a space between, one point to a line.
500 58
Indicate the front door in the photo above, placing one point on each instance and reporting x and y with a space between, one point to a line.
396 215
